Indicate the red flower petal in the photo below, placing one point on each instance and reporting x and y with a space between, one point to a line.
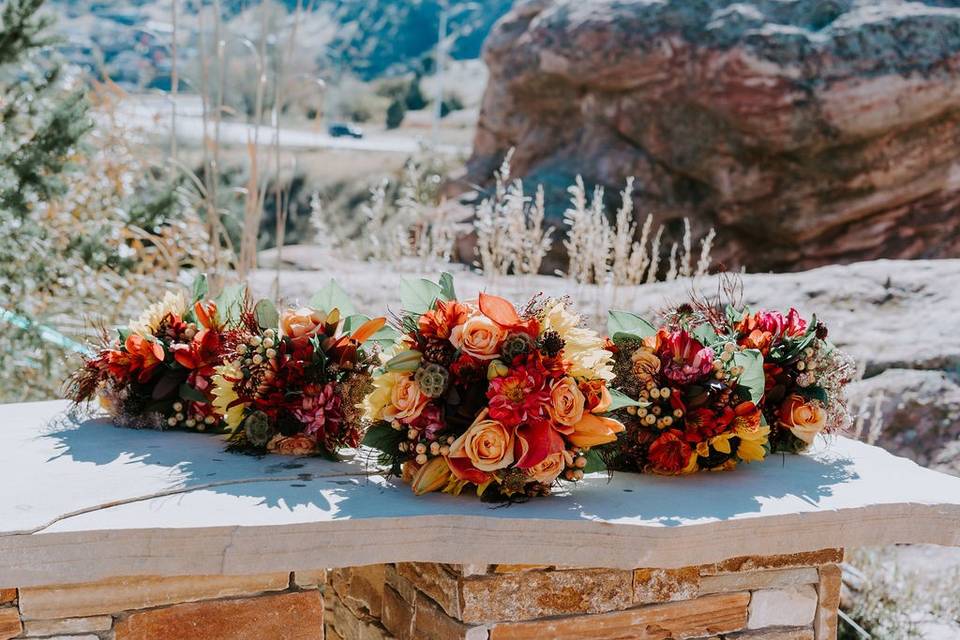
535 441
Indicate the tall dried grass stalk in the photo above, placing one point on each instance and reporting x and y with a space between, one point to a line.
509 227
599 253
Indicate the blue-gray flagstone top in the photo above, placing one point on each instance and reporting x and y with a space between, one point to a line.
81 500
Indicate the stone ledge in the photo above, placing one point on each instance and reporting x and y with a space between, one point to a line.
854 495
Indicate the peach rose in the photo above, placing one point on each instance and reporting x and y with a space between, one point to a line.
805 418
298 445
597 395
566 402
548 469
487 444
302 323
646 365
406 400
479 337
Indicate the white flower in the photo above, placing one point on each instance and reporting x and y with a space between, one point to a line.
150 319
583 347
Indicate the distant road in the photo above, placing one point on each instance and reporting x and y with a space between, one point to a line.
153 115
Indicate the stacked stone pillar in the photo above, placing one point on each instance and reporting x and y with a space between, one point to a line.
789 597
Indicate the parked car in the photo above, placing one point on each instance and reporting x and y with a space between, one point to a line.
340 129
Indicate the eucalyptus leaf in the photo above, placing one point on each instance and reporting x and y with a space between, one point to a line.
705 334
418 296
619 400
200 287
333 297
350 323
752 379
447 291
624 322
385 337
230 303
266 314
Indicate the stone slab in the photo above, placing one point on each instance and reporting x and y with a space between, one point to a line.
773 578
789 606
10 624
67 626
82 500
286 616
706 616
112 595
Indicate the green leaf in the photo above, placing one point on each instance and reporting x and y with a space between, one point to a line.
628 323
230 303
705 334
446 287
815 393
619 400
752 379
595 463
353 322
332 297
733 314
187 392
418 296
266 314
383 437
123 333
385 337
200 287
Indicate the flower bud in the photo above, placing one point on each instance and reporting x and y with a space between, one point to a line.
496 369
432 476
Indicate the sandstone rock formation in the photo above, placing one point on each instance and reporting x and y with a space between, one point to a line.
807 131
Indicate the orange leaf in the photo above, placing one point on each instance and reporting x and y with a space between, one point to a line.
499 310
368 328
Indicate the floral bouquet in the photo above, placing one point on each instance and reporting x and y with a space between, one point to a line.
158 372
292 382
804 374
699 396
478 394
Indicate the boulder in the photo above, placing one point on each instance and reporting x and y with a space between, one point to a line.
919 415
806 132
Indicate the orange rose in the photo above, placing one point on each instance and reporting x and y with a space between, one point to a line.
548 469
302 323
406 400
487 444
479 337
597 395
298 445
646 365
805 418
566 402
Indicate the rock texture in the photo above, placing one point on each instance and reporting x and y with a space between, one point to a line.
806 132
